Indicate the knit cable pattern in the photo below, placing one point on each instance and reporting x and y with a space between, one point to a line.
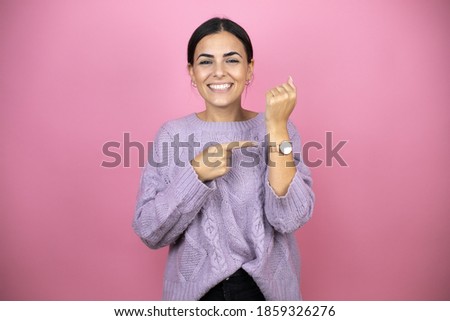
214 228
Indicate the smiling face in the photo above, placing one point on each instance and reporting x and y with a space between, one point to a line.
220 70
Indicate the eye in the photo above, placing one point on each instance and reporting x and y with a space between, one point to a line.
204 62
233 61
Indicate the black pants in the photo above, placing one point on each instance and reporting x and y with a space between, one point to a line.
237 287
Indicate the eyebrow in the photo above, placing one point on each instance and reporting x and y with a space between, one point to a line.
231 53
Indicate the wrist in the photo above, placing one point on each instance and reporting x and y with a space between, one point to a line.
196 167
283 147
277 133
277 130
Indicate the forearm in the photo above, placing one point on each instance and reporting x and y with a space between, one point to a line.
162 214
281 167
289 198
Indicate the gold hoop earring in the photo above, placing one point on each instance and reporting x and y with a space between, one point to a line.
249 81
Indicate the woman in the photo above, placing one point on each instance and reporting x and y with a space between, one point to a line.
226 187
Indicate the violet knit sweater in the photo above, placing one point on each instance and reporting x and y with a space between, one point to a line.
233 221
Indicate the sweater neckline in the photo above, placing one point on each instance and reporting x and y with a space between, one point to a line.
225 125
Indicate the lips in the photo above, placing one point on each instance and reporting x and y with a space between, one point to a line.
220 87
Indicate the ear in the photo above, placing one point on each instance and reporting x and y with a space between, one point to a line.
191 71
251 66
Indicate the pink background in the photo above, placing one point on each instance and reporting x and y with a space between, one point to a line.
77 74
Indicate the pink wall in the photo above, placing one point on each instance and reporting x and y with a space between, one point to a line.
76 74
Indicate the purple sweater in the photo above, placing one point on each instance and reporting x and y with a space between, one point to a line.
233 221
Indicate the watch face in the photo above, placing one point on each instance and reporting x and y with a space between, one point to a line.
286 147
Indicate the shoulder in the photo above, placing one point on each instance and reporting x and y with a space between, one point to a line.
177 125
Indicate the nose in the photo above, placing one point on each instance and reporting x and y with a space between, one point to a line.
219 71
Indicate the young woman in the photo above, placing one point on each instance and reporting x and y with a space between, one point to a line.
226 187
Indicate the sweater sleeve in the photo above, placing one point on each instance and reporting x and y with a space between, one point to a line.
169 197
289 212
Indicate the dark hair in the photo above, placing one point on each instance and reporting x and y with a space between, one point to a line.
216 25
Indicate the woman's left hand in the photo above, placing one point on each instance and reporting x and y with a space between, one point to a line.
280 102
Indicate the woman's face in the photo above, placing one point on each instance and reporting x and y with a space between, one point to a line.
220 69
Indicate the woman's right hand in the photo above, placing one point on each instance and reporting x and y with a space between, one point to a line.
215 160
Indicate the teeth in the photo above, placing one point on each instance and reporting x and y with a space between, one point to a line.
220 87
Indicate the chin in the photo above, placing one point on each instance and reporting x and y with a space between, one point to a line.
219 104
222 103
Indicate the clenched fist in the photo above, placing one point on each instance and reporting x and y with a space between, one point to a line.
280 102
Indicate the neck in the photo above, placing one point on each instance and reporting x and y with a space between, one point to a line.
223 114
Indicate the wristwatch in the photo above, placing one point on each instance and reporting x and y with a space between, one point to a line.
285 147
